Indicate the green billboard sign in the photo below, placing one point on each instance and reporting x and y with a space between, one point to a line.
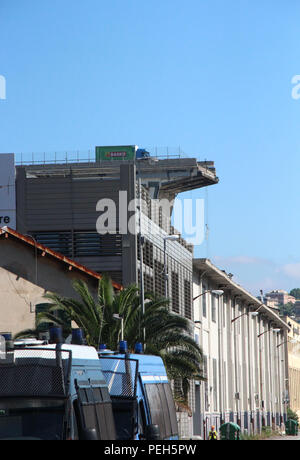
120 152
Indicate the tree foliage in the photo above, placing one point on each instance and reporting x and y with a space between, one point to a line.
295 293
287 309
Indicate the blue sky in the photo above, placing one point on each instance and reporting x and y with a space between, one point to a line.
213 77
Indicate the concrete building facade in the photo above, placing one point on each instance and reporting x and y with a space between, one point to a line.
292 345
244 366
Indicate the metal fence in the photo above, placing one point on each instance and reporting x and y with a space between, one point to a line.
34 372
88 156
121 375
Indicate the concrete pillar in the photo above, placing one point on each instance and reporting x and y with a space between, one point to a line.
129 240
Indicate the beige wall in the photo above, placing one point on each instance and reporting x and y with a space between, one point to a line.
18 298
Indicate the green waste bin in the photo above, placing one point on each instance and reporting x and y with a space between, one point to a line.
291 427
230 432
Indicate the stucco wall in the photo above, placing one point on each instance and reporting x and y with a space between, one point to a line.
18 298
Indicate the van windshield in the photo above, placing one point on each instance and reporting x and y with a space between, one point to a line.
25 418
124 411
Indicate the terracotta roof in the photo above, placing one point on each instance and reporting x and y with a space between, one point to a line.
26 239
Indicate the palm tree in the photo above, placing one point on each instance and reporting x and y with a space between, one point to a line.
168 335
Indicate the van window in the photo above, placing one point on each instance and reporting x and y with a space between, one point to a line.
141 420
33 418
75 420
125 410
162 408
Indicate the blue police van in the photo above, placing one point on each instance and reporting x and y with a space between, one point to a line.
53 391
141 395
59 391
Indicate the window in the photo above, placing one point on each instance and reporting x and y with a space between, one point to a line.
125 413
142 422
205 376
204 306
238 325
57 241
148 282
215 383
224 310
32 418
213 308
44 307
148 254
81 244
159 278
175 292
187 299
87 244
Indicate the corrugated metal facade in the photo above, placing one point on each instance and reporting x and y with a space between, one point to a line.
60 212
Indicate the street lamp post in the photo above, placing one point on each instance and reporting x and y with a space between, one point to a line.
252 313
120 318
287 341
218 292
274 330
